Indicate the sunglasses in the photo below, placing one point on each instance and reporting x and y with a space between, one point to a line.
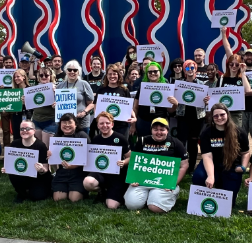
153 71
231 64
219 115
72 69
177 66
44 75
188 68
27 129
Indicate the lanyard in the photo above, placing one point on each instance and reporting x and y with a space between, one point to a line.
73 85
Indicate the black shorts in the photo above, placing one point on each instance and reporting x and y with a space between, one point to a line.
115 185
69 180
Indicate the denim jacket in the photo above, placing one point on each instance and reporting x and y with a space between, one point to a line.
201 112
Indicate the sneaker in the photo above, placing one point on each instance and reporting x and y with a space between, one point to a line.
19 199
101 197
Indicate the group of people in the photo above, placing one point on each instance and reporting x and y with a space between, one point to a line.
223 135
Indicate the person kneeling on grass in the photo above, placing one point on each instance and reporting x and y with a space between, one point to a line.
110 187
159 143
31 188
67 182
225 152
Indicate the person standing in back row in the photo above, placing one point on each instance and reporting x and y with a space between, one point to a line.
199 56
57 63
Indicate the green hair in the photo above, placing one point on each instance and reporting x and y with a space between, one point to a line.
161 78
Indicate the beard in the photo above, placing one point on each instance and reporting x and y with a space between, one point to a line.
249 64
1 65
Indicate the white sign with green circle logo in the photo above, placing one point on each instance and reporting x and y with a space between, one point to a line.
71 150
156 94
20 161
189 93
225 18
209 202
103 159
39 96
119 107
153 50
6 77
232 97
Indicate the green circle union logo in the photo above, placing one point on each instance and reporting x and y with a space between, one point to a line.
39 99
7 79
114 110
150 54
156 97
67 154
224 20
102 162
227 100
209 206
189 96
21 165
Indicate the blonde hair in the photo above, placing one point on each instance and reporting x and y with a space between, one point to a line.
200 49
23 74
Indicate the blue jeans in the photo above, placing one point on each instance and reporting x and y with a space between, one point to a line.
226 180
86 130
46 126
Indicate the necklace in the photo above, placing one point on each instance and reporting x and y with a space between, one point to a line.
73 84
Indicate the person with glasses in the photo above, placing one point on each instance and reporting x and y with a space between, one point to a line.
235 76
113 86
85 94
225 153
146 114
19 81
190 119
26 187
176 67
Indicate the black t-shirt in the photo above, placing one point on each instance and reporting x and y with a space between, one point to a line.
212 141
119 92
60 78
201 73
171 147
230 82
128 86
248 99
37 145
95 82
144 112
116 139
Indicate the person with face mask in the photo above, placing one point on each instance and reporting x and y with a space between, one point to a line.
131 57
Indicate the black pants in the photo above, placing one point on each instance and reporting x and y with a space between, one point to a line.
34 189
15 122
188 133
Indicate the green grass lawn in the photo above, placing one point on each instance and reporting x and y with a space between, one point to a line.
83 222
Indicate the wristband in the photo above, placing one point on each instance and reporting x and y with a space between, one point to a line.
242 167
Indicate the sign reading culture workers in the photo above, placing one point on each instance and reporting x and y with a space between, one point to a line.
153 170
20 161
10 100
6 77
209 202
119 107
66 102
191 94
153 51
71 150
39 96
224 18
249 208
156 94
228 96
103 159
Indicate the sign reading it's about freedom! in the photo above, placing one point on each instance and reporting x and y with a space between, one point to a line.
6 77
71 150
66 102
209 202
191 94
103 159
224 18
232 97
20 161
119 107
153 51
10 100
153 170
39 96
156 94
